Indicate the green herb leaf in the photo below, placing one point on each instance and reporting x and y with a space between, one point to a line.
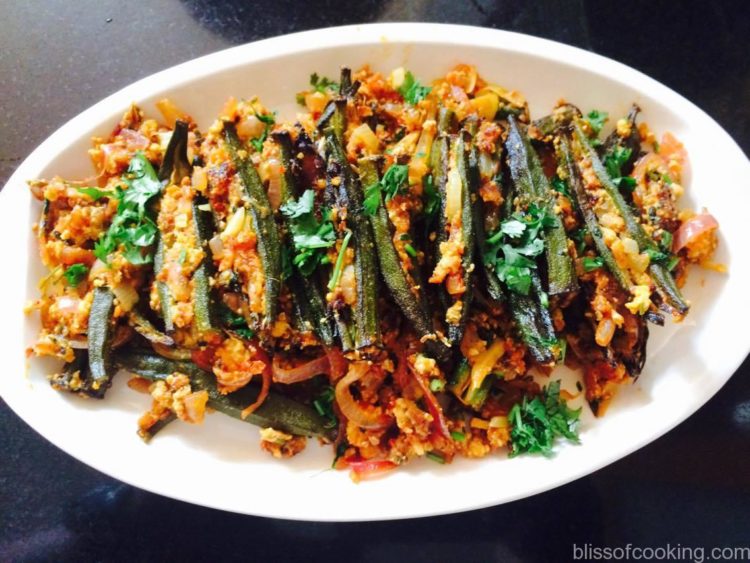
392 182
537 423
559 185
74 274
94 193
268 121
656 255
513 246
372 199
412 91
590 264
615 160
133 228
310 236
597 119
321 83
458 436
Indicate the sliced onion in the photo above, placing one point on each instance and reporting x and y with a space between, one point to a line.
250 127
217 246
644 164
337 363
126 295
67 304
692 229
363 468
303 372
260 355
364 416
441 426
134 139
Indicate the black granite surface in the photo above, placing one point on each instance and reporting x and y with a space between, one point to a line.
691 487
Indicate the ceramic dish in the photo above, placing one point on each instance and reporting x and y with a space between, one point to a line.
219 464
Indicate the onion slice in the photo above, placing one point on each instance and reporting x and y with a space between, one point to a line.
440 424
303 372
692 229
364 468
364 416
266 375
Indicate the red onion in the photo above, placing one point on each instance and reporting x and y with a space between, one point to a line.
302 372
364 416
692 229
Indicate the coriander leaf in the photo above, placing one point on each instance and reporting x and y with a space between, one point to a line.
597 119
321 83
656 255
615 160
590 264
392 183
536 423
513 228
294 209
133 228
74 274
143 184
310 236
625 183
244 332
394 179
559 185
268 121
372 199
412 91
519 240
94 193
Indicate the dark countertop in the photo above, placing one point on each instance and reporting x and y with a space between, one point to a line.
691 487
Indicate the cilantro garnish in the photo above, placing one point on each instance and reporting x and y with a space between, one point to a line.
133 227
94 193
268 121
412 91
614 162
321 83
323 404
536 423
513 246
392 182
559 185
310 236
237 324
579 236
597 119
590 264
74 274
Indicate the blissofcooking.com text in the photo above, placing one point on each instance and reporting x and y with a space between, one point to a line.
666 552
